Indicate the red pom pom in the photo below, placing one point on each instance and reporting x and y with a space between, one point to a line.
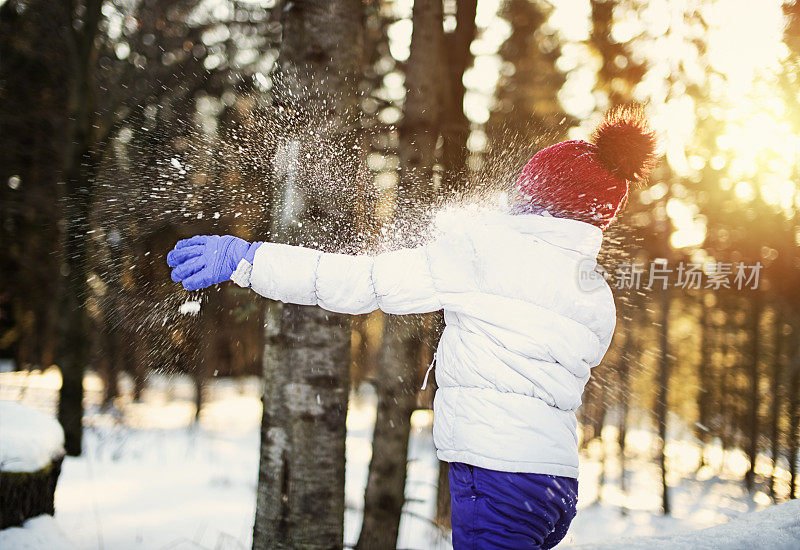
625 143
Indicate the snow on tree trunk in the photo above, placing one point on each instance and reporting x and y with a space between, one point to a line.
31 451
300 497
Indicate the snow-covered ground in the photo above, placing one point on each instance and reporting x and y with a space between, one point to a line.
150 479
37 533
775 528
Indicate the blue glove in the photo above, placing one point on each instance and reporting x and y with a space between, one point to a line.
205 260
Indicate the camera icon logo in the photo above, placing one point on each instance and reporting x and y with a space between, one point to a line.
591 275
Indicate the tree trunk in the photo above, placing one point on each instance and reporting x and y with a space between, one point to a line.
78 176
443 504
25 495
137 363
397 385
662 404
753 397
704 380
775 393
300 497
110 366
74 330
443 499
598 421
200 384
359 348
794 412
727 378
300 500
455 126
110 332
33 137
385 493
455 133
628 349
205 354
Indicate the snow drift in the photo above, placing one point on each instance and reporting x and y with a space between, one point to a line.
36 534
776 528
29 439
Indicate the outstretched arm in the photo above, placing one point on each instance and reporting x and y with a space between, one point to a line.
397 282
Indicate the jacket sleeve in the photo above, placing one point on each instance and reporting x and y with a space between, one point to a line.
397 282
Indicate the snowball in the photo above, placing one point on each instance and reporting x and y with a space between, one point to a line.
189 307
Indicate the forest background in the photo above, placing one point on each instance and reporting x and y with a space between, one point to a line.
127 124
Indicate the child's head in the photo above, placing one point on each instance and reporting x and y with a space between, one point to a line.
589 181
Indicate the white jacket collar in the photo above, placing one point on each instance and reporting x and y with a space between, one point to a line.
581 237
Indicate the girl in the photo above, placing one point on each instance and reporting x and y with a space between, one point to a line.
522 329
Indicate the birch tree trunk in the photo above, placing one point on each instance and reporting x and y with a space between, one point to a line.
300 497
397 377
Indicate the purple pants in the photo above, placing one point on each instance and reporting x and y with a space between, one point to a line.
494 510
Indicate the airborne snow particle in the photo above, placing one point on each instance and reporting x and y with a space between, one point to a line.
189 307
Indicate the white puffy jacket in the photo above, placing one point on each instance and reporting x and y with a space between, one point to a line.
522 330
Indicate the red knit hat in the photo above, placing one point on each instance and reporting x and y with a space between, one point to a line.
589 181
